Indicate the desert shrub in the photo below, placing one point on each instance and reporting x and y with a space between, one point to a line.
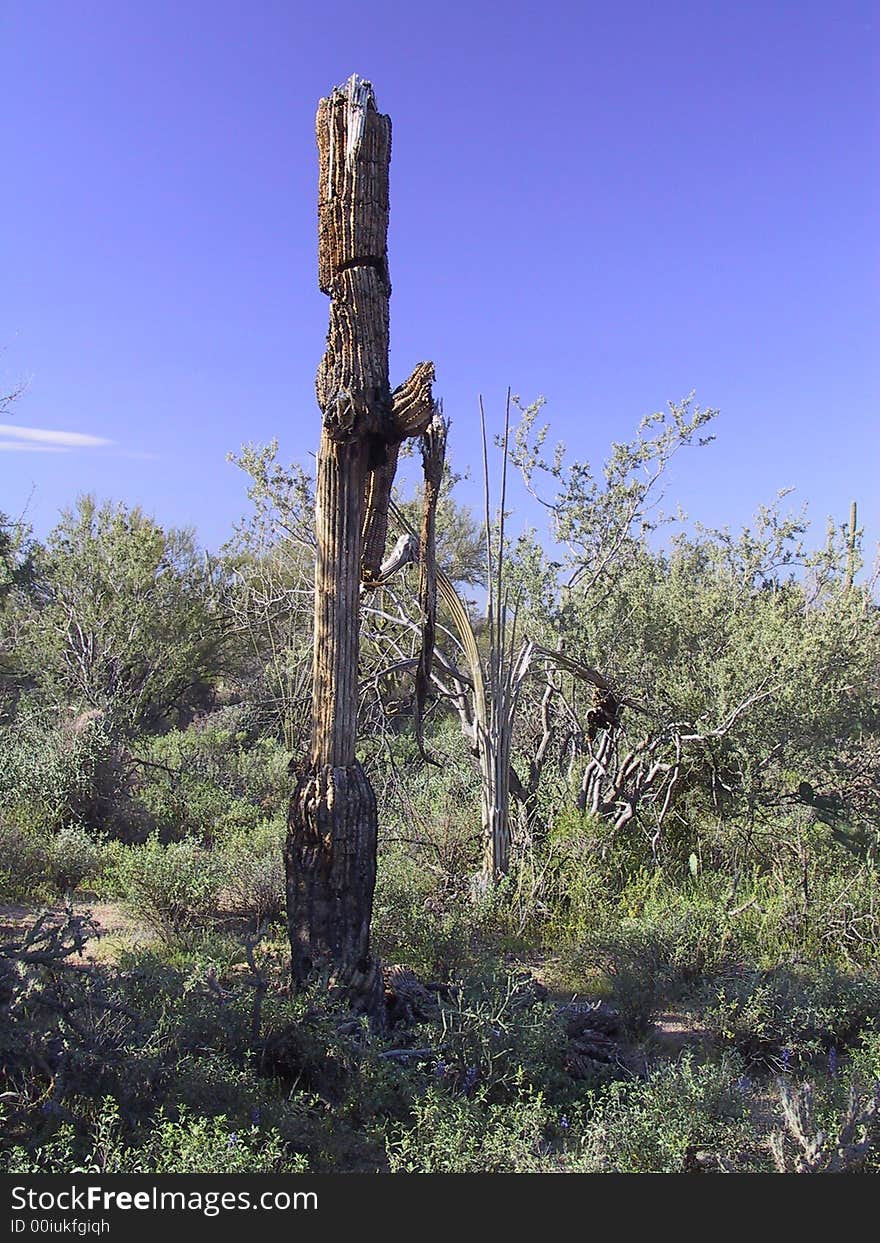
187 1144
803 887
383 1088
195 1145
418 921
691 916
53 776
431 812
656 1125
785 1017
571 880
253 862
845 913
500 1036
459 1135
213 778
670 936
174 890
656 943
636 964
24 862
865 1057
73 856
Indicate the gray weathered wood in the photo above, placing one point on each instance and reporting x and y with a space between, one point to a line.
331 846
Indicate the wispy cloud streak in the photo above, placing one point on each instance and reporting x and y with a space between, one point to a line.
24 446
42 438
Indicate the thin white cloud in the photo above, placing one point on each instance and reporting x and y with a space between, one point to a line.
42 435
25 446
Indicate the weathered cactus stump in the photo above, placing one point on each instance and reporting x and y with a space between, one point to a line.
331 846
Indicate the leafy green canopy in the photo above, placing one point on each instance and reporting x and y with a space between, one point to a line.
125 618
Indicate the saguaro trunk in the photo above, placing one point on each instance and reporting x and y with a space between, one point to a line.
331 845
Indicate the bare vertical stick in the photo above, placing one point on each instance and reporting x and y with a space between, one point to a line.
433 461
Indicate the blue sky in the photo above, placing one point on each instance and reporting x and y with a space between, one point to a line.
607 204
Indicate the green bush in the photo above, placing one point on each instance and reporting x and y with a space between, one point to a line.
74 856
498 1035
187 1144
174 890
637 965
212 779
253 863
53 776
24 863
865 1057
785 1017
457 1135
418 921
654 1126
569 885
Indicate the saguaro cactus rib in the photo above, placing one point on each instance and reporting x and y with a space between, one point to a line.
433 461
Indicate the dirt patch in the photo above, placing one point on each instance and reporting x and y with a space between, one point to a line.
114 928
678 1030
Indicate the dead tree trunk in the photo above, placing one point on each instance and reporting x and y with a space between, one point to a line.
331 846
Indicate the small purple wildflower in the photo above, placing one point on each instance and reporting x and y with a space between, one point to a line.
564 1123
255 1117
832 1060
744 1085
440 1069
786 1059
233 1140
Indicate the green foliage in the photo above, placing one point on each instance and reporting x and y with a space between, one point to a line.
174 890
53 776
604 521
73 856
212 779
153 1066
865 1057
16 558
183 1145
458 1135
499 1036
772 679
418 922
126 618
653 1126
786 1017
253 863
270 562
423 914
24 859
17 552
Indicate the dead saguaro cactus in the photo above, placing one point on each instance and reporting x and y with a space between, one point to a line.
331 846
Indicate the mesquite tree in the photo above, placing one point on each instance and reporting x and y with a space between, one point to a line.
331 845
